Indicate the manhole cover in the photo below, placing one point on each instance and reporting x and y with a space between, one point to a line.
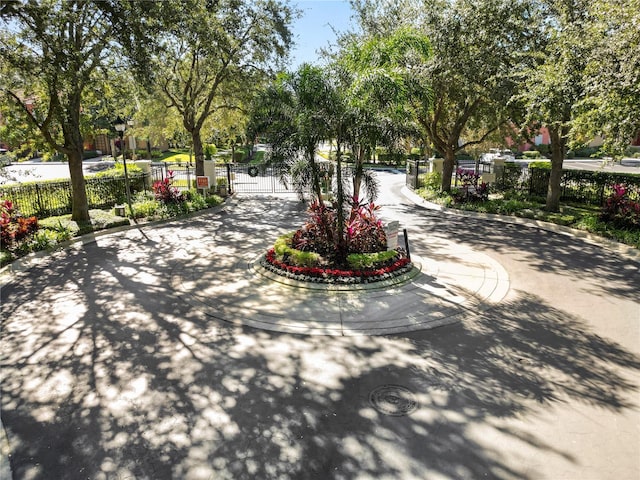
394 400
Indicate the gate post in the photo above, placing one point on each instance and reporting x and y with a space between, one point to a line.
231 189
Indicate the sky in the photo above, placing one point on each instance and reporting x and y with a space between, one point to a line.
314 29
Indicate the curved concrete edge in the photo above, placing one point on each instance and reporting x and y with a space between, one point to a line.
431 298
627 251
32 259
379 285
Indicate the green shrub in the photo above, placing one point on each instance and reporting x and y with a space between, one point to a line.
543 149
45 239
213 200
541 165
283 250
209 151
532 154
587 152
90 154
431 181
5 257
145 209
359 261
195 201
118 170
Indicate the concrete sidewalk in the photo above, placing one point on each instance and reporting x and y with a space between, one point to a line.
136 356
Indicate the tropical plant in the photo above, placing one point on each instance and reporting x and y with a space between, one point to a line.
165 192
14 228
364 231
620 210
471 188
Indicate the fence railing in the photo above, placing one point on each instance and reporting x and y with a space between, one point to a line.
577 185
583 185
54 198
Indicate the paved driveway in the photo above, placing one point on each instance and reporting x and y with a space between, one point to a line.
109 373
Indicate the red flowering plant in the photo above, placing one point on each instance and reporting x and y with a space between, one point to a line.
364 232
314 251
620 210
319 233
471 189
399 264
14 228
165 192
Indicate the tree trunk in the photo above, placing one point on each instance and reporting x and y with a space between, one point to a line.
79 204
447 168
315 174
557 157
341 252
358 172
198 152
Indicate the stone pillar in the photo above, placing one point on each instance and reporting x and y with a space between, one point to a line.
498 169
145 166
436 165
210 171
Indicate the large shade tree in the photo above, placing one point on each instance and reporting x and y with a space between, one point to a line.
553 86
475 50
51 51
216 54
611 105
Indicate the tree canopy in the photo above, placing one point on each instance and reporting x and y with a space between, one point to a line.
215 55
475 48
51 52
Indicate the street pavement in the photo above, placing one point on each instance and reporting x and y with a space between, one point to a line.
137 355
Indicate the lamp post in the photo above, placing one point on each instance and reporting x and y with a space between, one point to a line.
120 127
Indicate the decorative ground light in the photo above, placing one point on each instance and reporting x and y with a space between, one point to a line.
394 400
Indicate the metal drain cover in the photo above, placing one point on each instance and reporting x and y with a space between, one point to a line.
394 400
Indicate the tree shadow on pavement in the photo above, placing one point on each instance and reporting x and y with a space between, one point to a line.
107 374
543 250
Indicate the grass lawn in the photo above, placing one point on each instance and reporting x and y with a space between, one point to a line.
182 156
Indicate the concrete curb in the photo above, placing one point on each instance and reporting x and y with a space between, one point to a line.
626 251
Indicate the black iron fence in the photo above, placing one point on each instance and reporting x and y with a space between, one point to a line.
577 185
54 198
583 185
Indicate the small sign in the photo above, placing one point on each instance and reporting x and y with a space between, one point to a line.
391 230
202 182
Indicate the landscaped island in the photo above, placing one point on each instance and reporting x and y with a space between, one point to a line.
320 252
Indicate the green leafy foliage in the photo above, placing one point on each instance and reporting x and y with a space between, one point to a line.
360 261
15 230
620 210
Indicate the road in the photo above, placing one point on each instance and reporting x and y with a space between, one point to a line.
34 170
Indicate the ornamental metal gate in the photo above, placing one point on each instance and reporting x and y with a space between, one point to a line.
241 178
247 178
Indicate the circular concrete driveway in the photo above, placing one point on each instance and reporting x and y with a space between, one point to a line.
451 283
111 372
